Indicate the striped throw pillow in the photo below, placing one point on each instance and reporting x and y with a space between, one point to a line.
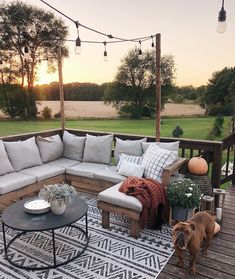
129 158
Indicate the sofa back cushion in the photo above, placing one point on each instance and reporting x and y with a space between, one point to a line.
23 154
73 146
51 148
155 159
5 164
130 147
98 149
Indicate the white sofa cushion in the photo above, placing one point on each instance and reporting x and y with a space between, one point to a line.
114 196
43 172
98 149
130 147
5 164
23 154
131 169
155 159
51 148
110 174
171 146
86 169
63 162
13 181
73 146
130 158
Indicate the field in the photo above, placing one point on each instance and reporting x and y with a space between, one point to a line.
194 128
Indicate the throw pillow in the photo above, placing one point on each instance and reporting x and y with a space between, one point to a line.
171 146
130 147
5 164
23 154
130 158
155 159
98 149
131 169
73 146
51 148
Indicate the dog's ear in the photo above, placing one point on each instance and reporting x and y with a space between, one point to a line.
174 222
192 225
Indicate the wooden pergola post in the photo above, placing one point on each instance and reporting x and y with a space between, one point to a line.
59 58
158 86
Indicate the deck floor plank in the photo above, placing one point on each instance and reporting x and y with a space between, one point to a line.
220 261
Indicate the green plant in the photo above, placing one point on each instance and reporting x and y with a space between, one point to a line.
61 192
46 112
177 132
57 115
184 193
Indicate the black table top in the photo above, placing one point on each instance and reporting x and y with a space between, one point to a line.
15 217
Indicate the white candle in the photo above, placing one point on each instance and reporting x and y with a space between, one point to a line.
218 213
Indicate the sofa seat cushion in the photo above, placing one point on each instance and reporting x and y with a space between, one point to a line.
43 172
14 181
86 169
110 174
113 196
63 162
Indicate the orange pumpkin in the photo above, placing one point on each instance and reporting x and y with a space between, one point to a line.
198 166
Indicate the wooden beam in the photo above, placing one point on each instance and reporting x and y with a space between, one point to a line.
61 88
158 86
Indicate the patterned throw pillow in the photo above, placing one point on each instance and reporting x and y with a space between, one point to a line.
129 158
155 159
131 169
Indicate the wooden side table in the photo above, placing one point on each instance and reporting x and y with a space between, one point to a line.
220 193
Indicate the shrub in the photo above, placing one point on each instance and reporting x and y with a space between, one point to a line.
46 112
177 132
57 115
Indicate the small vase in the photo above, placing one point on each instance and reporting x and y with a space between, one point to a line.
182 213
57 207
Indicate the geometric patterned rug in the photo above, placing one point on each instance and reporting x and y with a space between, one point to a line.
110 254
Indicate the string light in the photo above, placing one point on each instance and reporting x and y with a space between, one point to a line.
152 45
1 63
140 50
221 26
26 53
78 40
105 52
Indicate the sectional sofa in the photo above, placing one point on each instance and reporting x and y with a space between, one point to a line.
92 162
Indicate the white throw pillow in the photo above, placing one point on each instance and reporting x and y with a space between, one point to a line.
131 169
130 147
73 146
51 148
155 159
5 164
23 154
130 158
98 149
171 146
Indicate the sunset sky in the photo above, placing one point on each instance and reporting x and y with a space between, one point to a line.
187 27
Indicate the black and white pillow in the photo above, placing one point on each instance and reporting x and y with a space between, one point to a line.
129 158
155 159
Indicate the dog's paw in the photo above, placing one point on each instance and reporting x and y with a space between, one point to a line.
192 270
180 263
205 252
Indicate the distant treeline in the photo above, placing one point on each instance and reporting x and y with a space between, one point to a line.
75 91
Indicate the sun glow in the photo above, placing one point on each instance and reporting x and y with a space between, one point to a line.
43 76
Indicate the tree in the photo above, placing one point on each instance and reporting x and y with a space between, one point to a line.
133 91
22 27
219 93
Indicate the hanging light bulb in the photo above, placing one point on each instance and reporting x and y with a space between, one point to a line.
1 63
78 41
221 26
152 45
105 52
26 53
140 50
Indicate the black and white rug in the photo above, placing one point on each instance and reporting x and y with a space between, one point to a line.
110 254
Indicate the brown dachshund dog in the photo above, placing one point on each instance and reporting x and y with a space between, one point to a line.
191 235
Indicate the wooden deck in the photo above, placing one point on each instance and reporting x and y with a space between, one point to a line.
220 262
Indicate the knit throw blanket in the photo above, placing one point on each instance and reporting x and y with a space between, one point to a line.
150 193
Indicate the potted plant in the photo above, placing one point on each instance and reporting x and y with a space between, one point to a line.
183 196
58 195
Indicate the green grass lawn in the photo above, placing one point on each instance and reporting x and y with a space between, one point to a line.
194 128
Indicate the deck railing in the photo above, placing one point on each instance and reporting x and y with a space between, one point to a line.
216 153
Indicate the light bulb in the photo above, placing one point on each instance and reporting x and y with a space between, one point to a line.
78 46
105 56
221 27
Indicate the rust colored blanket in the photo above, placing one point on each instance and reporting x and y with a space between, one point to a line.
150 193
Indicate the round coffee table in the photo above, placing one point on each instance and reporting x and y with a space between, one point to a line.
16 218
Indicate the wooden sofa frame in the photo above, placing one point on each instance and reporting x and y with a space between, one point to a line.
83 184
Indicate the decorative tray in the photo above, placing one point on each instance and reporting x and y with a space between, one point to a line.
36 206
